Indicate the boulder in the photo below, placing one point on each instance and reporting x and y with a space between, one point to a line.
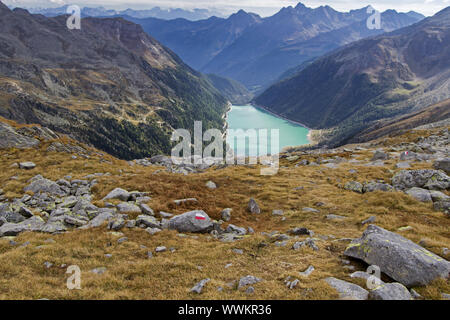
27 165
253 207
377 186
199 286
442 164
211 185
103 216
226 214
420 194
390 291
119 194
34 223
193 221
237 230
428 179
248 280
354 186
148 221
380 155
128 207
398 257
443 206
41 185
347 290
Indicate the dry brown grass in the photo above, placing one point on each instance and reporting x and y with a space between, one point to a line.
131 275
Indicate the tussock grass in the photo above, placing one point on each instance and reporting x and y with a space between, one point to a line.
170 275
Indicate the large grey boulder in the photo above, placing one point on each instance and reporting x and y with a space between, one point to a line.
428 179
347 290
193 221
119 194
442 164
398 257
41 185
420 194
35 223
390 291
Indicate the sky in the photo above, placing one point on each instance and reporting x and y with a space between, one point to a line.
262 7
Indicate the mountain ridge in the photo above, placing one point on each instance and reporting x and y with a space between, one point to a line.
109 84
382 76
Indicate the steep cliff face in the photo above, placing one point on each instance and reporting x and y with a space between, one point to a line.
108 84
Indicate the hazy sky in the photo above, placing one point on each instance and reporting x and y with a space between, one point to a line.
263 7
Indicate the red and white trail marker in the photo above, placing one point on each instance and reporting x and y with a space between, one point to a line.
199 216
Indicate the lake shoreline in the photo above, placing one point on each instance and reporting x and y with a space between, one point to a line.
311 141
304 139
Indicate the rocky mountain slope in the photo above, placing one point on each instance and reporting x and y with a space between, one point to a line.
108 84
371 79
256 51
234 91
147 229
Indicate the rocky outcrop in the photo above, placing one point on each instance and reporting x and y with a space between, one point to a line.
399 258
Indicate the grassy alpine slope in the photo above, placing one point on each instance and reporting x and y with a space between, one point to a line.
130 274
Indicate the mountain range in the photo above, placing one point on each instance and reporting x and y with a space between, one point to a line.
109 84
257 51
156 12
380 77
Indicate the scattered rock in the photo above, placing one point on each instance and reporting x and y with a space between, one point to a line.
199 286
211 185
347 290
128 207
277 212
354 186
146 209
184 201
442 164
226 214
419 194
27 165
248 280
99 271
253 207
390 291
307 272
160 249
119 194
369 220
